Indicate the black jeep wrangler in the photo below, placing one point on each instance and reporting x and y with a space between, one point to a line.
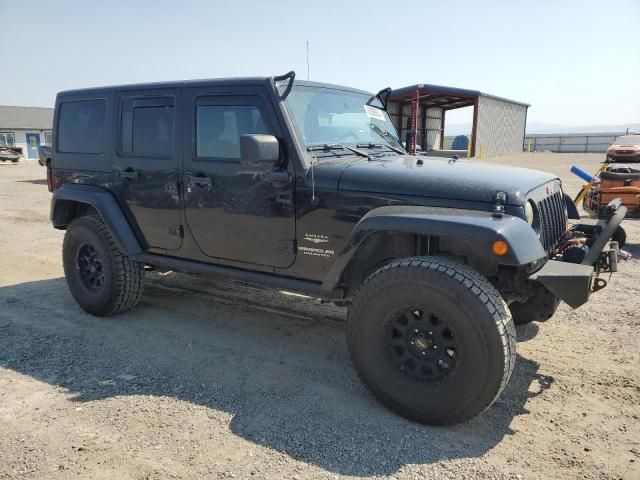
306 187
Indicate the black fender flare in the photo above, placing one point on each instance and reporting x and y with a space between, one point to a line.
103 201
480 228
572 210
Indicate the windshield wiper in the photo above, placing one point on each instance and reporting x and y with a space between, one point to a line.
380 145
386 136
336 146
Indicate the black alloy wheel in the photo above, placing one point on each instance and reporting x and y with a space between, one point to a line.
421 344
89 265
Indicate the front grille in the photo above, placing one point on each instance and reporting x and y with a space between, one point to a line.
624 152
553 219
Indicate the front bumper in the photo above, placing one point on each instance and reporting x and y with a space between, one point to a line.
574 282
613 157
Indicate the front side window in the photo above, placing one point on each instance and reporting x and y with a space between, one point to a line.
81 126
147 127
328 116
219 127
7 139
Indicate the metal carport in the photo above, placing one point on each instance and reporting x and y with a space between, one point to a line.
418 112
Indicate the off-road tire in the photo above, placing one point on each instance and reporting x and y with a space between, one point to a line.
538 308
123 278
620 236
478 316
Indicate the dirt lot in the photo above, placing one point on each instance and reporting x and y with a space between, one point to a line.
215 380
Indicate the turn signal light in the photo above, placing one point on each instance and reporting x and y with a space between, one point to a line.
500 247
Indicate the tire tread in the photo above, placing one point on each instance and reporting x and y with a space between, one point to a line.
473 281
130 276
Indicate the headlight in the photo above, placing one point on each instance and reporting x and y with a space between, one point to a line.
529 212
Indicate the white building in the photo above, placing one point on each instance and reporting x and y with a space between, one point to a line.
26 127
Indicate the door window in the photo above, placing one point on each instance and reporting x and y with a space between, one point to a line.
219 127
147 127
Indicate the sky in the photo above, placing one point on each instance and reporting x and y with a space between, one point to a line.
576 62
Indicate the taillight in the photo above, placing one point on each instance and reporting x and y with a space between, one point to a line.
49 177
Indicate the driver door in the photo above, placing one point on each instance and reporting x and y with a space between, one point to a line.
236 212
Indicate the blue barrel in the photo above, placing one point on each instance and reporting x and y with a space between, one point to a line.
582 173
461 142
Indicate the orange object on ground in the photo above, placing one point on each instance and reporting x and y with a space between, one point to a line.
623 185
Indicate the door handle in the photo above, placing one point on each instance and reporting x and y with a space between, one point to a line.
192 180
199 180
129 174
279 179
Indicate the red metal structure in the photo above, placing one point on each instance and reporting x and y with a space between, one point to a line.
413 123
420 98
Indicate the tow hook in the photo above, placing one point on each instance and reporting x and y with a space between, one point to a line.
598 284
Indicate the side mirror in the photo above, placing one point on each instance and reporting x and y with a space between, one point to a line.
259 149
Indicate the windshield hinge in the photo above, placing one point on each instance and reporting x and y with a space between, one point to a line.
498 204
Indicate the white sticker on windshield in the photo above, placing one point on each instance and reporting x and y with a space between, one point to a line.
373 112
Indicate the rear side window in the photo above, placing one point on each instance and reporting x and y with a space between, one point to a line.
219 127
147 126
81 126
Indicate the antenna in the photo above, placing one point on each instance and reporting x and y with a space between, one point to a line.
307 59
314 200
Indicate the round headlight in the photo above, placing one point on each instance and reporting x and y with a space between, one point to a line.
529 212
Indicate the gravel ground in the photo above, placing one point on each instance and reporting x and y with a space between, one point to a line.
215 380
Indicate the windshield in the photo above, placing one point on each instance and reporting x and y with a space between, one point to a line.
326 116
628 140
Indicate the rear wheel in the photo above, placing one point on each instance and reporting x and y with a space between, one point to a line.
432 339
102 280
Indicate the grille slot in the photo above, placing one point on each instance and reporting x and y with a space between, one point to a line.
553 220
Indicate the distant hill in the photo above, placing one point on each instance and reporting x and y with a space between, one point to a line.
542 127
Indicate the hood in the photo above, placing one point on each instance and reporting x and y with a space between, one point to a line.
624 146
442 178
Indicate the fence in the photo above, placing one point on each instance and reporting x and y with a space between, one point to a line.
575 142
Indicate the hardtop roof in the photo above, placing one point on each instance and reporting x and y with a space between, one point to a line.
233 81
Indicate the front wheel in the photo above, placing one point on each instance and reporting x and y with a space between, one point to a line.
432 339
620 236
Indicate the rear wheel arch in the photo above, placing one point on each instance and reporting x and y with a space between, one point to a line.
66 211
75 201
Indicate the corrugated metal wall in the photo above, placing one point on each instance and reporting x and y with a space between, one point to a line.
500 127
434 132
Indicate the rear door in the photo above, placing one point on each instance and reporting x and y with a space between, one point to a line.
236 212
146 166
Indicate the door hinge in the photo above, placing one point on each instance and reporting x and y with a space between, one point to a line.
176 230
284 198
287 246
